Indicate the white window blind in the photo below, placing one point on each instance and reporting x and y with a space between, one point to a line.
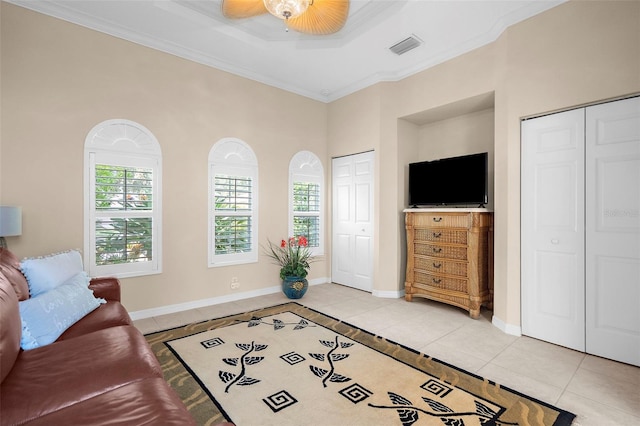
306 199
233 197
124 222
233 190
306 211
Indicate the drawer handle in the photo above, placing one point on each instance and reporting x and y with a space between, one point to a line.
437 219
437 250
437 265
437 234
437 280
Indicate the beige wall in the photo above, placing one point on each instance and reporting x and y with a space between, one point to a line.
458 135
576 53
462 134
582 52
59 80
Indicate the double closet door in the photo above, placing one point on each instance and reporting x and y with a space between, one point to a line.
580 225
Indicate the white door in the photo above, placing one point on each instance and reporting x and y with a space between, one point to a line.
613 230
352 223
552 227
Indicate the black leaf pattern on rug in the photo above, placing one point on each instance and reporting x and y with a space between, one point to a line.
254 321
408 417
231 361
279 324
398 399
437 406
253 360
225 376
302 324
409 413
245 381
484 410
319 357
339 357
241 379
453 422
338 378
330 375
319 372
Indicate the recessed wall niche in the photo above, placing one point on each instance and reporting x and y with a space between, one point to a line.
459 128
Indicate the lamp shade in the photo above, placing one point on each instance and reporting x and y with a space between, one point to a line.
10 221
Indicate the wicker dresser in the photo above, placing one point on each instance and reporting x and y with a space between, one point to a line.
450 257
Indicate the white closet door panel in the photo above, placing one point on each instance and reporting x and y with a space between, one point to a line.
363 276
342 259
552 224
613 230
352 252
342 265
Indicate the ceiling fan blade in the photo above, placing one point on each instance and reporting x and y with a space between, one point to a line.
237 9
322 17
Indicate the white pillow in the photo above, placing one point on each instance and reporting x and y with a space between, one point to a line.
47 316
45 273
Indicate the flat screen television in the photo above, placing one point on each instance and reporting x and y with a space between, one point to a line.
449 181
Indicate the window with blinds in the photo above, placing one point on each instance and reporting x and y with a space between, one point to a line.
306 211
306 199
233 197
123 207
123 204
233 203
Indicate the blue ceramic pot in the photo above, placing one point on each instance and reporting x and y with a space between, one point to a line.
294 287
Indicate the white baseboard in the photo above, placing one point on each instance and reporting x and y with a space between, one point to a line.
511 329
172 309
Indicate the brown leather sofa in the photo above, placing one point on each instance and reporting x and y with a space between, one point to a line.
101 371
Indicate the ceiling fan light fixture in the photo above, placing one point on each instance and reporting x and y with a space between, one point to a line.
286 9
315 17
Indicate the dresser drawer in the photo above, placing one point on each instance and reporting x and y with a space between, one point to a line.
440 266
437 281
438 235
440 251
442 220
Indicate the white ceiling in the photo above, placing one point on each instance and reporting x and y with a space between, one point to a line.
324 68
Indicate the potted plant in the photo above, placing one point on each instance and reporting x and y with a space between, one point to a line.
294 257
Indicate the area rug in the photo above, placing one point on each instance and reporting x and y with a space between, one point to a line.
292 365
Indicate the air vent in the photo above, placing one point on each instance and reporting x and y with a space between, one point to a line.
406 45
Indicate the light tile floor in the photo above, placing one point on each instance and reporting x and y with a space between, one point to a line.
601 392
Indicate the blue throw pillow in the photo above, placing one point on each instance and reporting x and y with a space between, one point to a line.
46 316
47 272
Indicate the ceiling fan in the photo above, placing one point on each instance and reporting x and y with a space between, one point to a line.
317 17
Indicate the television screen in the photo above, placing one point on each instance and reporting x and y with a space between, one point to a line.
449 181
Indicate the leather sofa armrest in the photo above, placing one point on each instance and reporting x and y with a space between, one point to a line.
106 287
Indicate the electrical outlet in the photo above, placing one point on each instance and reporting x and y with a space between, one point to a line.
235 284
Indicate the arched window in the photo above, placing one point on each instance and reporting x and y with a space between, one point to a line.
306 199
233 203
123 200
